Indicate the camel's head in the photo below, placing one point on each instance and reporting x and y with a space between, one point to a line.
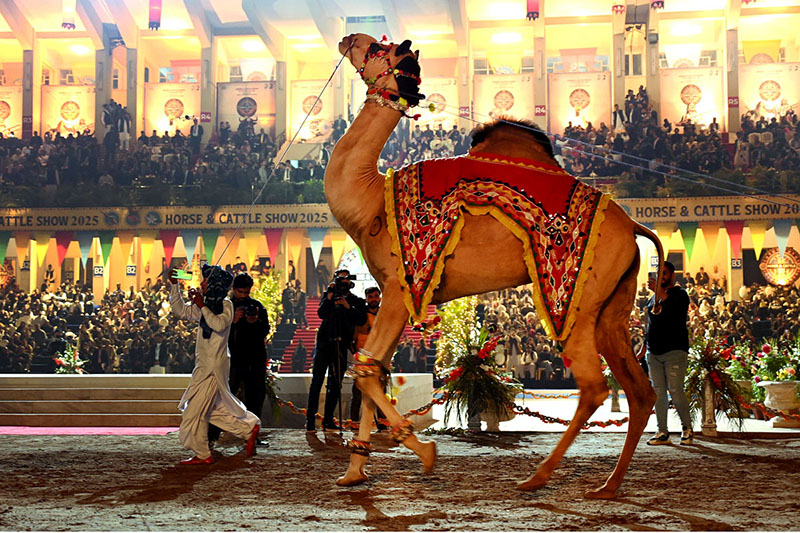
385 66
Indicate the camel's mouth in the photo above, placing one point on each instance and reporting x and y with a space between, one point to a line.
344 44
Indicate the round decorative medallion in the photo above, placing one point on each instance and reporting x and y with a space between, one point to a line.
691 94
439 102
503 100
246 107
308 101
780 270
70 110
769 90
5 110
579 99
173 108
761 59
257 76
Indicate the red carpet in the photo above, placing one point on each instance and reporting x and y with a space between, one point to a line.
31 430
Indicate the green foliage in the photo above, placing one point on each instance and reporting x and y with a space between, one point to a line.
267 290
708 359
69 362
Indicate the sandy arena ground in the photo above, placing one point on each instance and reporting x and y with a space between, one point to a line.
133 483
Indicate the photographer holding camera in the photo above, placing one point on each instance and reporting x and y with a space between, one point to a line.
340 311
246 344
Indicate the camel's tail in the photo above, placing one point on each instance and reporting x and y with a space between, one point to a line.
638 229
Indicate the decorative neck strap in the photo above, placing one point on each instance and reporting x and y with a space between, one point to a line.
383 98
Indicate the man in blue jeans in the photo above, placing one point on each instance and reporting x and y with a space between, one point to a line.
667 346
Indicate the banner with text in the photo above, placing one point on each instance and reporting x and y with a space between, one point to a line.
320 113
168 217
510 95
247 100
580 98
711 208
67 109
170 107
11 111
769 90
693 94
443 94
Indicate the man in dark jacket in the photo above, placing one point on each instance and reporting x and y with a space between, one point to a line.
246 344
341 311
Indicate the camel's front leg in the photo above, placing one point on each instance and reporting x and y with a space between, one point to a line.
360 447
368 366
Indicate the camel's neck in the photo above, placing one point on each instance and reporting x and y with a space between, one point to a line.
353 185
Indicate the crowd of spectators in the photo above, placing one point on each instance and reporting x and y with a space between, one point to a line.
636 144
762 311
134 332
129 332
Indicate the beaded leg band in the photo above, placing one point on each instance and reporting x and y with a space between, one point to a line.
359 447
402 431
364 366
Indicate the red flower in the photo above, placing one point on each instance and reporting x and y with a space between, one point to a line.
436 320
455 374
726 354
766 348
59 361
760 355
757 379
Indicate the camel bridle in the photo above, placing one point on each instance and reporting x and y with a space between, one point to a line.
380 95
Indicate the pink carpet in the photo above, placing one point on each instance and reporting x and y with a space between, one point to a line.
32 430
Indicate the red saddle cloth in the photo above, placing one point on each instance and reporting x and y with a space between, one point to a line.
554 215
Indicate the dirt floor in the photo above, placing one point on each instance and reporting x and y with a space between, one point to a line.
133 483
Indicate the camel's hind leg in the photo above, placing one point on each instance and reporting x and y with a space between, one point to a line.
382 341
580 348
614 341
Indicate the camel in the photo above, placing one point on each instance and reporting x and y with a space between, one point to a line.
488 257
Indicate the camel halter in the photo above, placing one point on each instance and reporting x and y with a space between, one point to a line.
380 96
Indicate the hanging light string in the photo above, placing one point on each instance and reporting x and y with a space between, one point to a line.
283 154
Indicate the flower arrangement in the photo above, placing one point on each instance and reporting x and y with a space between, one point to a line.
465 362
69 362
267 290
778 364
709 358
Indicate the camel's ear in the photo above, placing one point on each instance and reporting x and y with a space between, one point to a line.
416 55
403 49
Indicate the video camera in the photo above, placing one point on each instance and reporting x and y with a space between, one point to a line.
342 285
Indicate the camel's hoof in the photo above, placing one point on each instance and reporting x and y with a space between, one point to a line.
532 483
427 454
350 480
600 494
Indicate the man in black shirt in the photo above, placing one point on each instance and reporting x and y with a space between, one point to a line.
341 311
667 346
246 345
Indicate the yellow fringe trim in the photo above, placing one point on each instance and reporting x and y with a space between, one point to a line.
527 255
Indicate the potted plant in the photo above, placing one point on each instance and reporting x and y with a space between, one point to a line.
475 383
776 372
709 359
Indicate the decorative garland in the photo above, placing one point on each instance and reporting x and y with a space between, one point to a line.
350 424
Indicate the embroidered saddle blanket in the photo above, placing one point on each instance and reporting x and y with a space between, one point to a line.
554 215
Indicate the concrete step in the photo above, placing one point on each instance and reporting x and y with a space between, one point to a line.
167 407
90 420
68 394
111 381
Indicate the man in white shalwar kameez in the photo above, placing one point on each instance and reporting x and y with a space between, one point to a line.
208 398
